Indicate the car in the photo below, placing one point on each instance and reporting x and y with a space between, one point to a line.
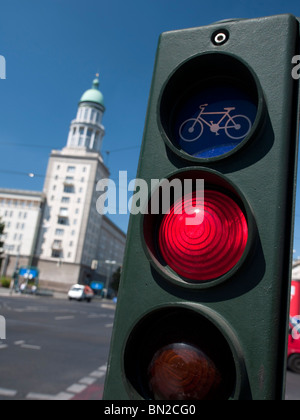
79 292
294 355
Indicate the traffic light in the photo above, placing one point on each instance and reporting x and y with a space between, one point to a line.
203 304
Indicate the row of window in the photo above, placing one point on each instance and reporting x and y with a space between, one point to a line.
22 215
71 169
59 254
8 202
19 226
89 114
14 237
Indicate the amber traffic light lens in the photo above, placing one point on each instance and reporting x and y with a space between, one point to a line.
183 372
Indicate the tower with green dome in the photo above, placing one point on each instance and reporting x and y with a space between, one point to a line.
86 131
71 236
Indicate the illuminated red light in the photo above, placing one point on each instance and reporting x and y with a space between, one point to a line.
183 372
206 251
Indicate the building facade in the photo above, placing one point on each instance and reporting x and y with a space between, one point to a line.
71 232
21 212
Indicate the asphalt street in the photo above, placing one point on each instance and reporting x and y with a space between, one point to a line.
54 349
58 350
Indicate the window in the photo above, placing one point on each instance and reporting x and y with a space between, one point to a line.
69 189
57 244
59 232
71 169
56 253
62 221
65 200
63 211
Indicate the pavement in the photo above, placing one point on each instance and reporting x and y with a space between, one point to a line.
54 349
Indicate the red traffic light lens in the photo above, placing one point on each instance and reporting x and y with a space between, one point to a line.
209 250
183 372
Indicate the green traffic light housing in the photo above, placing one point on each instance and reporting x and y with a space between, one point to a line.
203 307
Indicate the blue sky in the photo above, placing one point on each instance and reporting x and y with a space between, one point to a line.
53 50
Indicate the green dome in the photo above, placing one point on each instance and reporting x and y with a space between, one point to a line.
93 95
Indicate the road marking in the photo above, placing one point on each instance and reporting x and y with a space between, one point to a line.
76 388
42 397
97 374
18 343
8 392
84 386
107 306
30 347
88 381
61 318
109 325
64 396
3 346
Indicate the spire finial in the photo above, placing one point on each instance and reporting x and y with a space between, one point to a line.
96 82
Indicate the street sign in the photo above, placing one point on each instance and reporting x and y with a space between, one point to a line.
29 273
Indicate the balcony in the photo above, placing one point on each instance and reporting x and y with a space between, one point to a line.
57 246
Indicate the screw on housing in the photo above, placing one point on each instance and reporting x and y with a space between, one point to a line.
220 37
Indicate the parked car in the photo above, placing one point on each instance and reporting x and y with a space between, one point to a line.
294 355
80 293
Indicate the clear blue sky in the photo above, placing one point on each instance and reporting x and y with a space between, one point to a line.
53 49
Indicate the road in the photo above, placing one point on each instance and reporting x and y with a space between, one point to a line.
54 349
58 350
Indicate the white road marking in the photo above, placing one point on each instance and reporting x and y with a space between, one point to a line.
8 392
18 343
97 374
30 347
108 306
70 392
88 381
42 397
61 318
77 388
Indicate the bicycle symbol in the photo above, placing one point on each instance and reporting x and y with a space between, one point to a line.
236 127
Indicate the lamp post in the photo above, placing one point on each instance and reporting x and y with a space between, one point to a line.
109 263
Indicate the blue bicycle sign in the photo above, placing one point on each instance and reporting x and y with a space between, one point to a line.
236 127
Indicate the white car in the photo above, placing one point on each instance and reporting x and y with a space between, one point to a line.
79 292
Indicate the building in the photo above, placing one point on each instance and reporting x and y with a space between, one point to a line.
71 233
21 212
